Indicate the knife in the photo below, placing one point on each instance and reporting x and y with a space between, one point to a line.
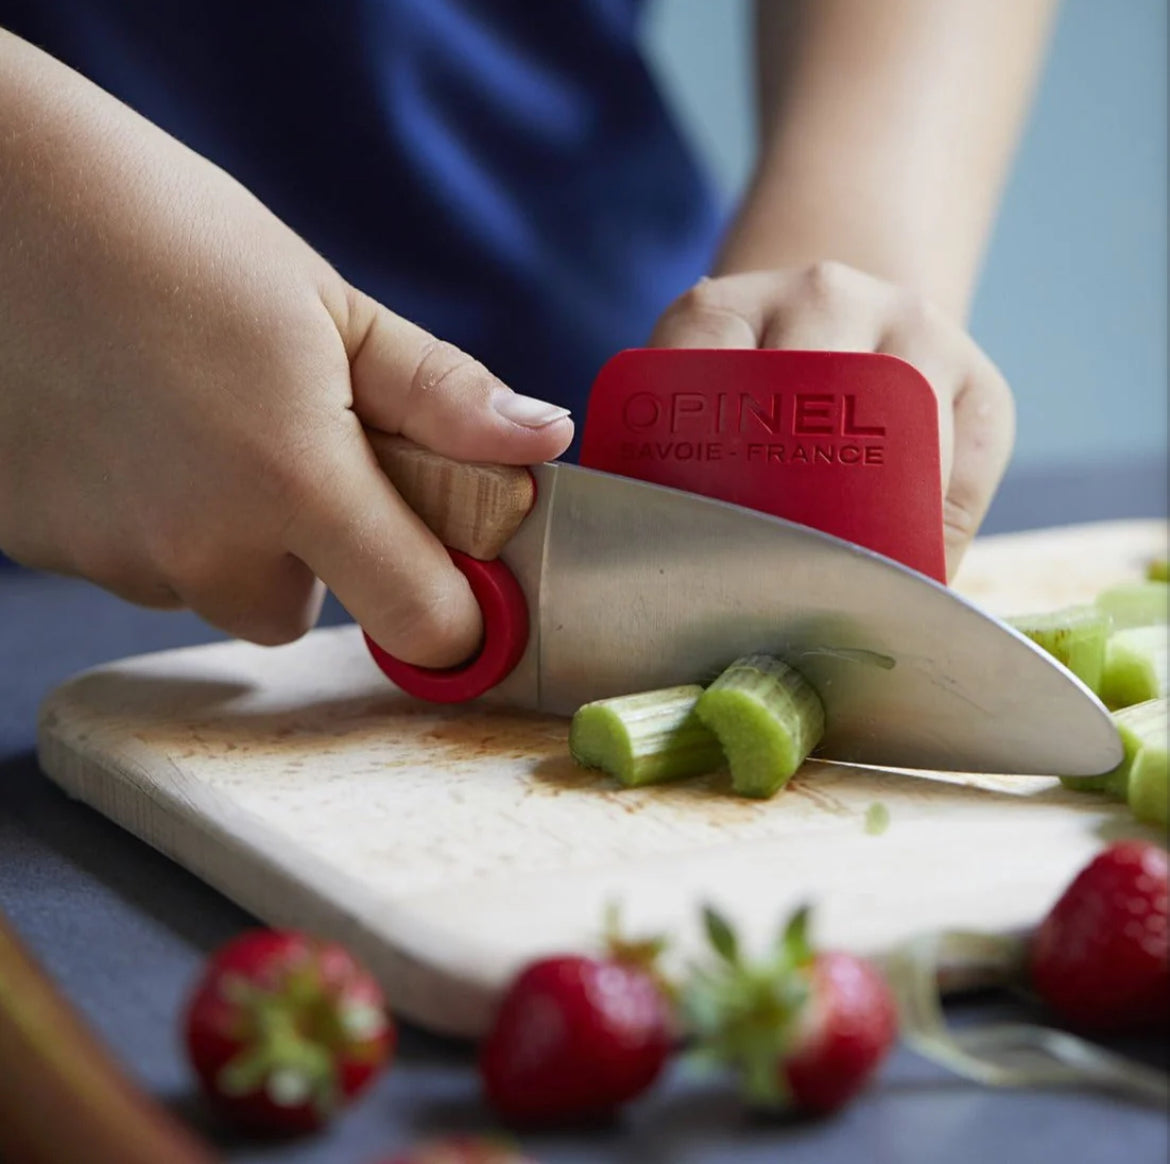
593 585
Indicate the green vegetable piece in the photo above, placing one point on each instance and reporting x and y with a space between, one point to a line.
1104 783
646 738
1158 570
1074 636
1140 725
767 718
877 819
1148 793
1136 604
1135 666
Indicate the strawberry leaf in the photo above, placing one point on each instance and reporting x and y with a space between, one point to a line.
721 935
701 1004
794 945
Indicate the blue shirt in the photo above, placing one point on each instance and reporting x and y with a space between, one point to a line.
503 172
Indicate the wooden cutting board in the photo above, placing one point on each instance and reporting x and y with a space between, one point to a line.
447 846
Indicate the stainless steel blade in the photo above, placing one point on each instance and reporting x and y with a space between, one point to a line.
636 586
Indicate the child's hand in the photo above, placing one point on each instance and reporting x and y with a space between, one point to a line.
183 384
836 308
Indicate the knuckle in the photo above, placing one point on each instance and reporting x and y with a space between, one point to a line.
916 314
827 281
710 308
269 614
442 367
705 296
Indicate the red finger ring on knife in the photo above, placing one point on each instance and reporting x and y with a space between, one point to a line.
505 637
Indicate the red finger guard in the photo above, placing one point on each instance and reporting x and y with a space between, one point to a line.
505 636
844 442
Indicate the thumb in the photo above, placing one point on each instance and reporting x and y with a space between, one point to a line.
984 433
406 381
356 533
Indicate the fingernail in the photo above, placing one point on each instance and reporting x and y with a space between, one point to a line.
527 411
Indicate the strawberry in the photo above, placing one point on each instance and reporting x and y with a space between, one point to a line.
574 1038
1100 957
804 1029
461 1150
283 1030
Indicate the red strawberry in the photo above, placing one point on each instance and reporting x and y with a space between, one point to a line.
804 1029
461 1150
574 1038
283 1030
1100 958
851 1024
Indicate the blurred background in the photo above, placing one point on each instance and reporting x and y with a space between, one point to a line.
1072 304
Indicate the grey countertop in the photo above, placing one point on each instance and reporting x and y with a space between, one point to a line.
123 931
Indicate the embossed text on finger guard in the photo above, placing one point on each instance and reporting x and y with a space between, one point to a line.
785 428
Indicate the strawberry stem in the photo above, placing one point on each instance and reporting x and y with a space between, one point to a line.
642 952
289 1034
280 1061
747 1015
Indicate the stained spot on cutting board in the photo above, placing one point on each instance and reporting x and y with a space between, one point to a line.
558 773
702 799
390 725
806 785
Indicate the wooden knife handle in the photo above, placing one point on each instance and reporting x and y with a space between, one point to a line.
469 506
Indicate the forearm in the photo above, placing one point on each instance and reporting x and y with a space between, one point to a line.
886 133
63 142
87 181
